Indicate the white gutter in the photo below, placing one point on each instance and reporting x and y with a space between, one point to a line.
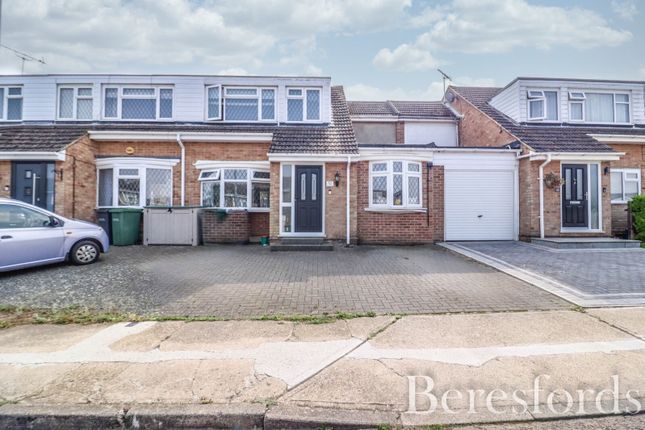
32 155
156 136
183 168
618 138
348 239
575 156
541 179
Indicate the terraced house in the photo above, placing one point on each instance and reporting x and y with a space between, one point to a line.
288 157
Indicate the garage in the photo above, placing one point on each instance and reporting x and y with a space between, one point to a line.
480 197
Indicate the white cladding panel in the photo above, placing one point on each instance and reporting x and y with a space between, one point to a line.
424 132
40 92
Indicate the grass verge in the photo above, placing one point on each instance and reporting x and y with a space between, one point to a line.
15 315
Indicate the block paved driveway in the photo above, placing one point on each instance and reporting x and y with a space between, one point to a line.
588 277
250 281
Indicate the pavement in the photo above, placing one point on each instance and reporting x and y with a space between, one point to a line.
249 281
421 370
586 277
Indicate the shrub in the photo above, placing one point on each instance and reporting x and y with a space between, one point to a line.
638 210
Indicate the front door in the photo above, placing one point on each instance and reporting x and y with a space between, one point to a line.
308 204
32 182
574 195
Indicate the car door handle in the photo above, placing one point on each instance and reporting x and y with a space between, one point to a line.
6 237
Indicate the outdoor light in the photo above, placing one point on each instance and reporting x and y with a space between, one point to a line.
606 170
6 187
337 178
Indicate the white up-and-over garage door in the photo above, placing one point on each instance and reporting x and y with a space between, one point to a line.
480 196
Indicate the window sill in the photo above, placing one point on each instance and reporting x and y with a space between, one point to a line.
397 210
580 230
619 202
228 210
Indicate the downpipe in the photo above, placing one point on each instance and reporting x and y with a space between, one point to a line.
541 179
183 169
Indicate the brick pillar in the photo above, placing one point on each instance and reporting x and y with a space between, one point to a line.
436 202
400 132
5 178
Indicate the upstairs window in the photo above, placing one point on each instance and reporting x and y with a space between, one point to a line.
395 184
542 105
303 104
599 107
74 103
243 104
138 103
10 103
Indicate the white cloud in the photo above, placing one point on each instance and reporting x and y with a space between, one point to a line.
233 71
182 35
434 91
625 9
492 26
642 71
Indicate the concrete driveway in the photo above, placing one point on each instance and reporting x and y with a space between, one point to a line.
587 277
250 281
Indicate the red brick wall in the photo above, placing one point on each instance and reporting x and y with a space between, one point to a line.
400 132
76 190
634 158
406 227
336 202
259 223
232 228
5 178
478 129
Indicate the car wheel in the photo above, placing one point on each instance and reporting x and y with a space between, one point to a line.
85 252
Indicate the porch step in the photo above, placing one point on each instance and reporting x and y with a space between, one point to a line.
586 243
302 244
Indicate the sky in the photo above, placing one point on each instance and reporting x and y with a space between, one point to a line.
376 49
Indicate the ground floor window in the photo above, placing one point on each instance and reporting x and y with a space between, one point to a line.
134 183
395 184
235 187
625 184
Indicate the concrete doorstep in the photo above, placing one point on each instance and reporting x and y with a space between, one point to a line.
413 371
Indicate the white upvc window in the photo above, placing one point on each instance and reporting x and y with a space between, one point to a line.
603 107
395 184
625 184
304 104
10 103
249 104
542 105
137 103
236 187
75 102
213 102
577 105
134 183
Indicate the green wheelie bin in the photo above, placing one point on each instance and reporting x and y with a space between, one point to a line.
126 224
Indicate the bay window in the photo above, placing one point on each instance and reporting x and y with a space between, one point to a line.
243 104
303 104
138 103
625 184
134 183
75 102
395 184
235 187
542 105
10 103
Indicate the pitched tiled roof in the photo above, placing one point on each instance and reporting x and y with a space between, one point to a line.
400 109
38 138
546 137
336 137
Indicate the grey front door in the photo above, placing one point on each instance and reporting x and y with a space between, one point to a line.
574 195
32 182
309 197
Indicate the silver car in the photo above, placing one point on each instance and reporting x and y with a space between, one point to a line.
31 236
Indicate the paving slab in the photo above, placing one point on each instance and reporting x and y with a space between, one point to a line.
217 335
19 382
45 337
495 329
630 319
148 339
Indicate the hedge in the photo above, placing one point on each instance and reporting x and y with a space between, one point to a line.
638 210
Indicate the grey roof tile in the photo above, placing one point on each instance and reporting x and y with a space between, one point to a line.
546 137
400 109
